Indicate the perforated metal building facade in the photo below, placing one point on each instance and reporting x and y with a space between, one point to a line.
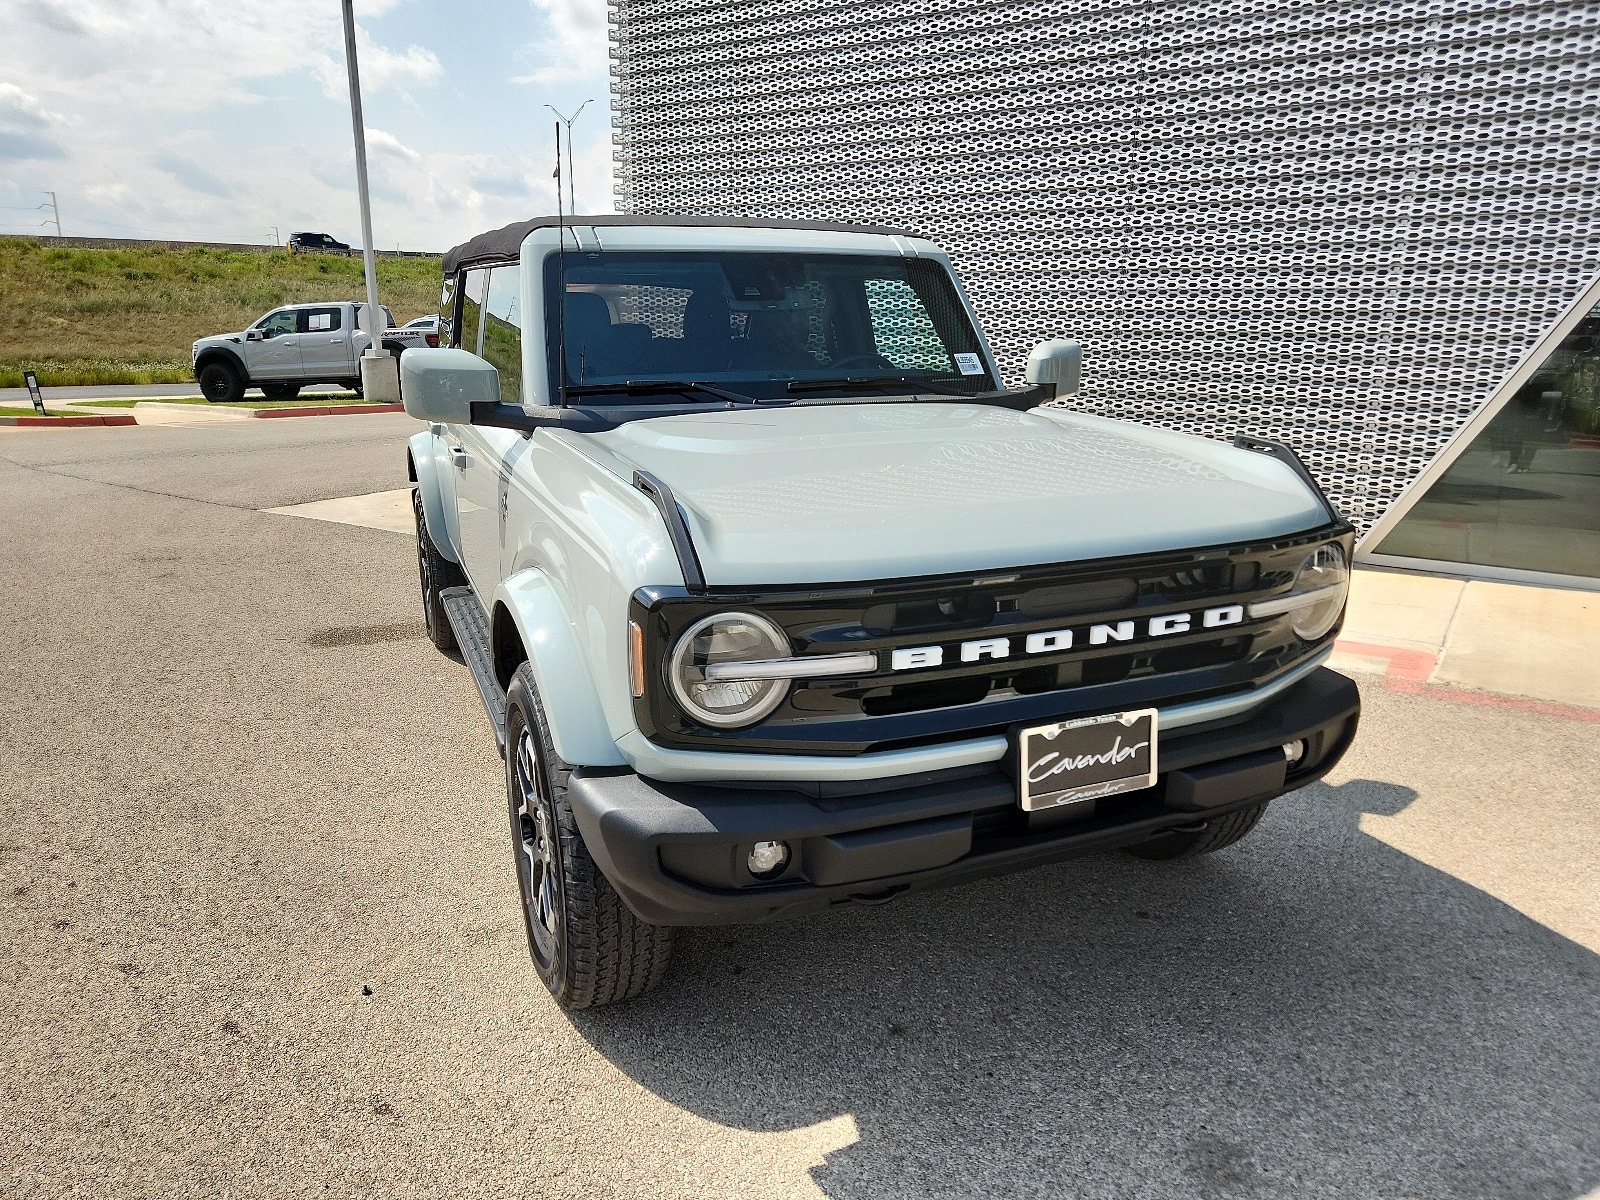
1339 224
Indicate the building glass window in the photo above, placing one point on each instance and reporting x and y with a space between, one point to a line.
502 330
1526 493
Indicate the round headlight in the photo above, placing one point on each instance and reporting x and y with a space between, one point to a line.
1325 574
726 703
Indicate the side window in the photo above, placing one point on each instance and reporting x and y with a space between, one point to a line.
319 320
472 289
447 311
502 329
902 330
279 323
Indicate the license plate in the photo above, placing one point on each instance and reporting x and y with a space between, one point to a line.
1071 762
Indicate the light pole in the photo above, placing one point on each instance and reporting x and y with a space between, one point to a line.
359 128
378 383
572 193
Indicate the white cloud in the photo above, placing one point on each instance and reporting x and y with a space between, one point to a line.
379 142
26 126
193 119
579 46
379 66
18 108
193 176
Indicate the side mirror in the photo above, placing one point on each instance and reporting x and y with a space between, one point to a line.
1056 367
255 335
443 385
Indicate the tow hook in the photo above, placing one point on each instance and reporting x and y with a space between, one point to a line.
882 897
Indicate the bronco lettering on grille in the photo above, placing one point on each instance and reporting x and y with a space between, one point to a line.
1055 640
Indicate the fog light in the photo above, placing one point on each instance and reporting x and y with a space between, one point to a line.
1293 752
768 859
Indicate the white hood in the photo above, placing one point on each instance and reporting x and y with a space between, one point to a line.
840 493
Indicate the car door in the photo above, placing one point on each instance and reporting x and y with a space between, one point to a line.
491 328
325 353
272 346
476 499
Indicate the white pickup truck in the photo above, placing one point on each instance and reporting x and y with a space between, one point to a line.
293 346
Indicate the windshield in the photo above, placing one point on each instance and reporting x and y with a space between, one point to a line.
758 322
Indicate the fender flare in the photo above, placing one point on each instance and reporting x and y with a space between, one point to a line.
392 347
424 462
550 639
212 353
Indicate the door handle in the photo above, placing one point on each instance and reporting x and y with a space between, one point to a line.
336 341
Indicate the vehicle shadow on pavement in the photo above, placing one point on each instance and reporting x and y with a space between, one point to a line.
1310 1013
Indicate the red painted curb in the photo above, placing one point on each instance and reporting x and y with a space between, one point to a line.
341 410
1408 673
1414 665
69 422
1545 708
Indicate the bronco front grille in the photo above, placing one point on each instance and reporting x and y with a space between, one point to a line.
1116 659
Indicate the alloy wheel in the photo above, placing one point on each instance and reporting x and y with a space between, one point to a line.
538 857
424 568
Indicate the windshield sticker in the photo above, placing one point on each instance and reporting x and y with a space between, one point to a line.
969 364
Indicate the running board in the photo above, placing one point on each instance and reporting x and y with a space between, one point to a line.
472 635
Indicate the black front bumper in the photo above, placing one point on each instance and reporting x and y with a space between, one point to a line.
676 851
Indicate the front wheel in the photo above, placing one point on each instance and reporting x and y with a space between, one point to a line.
220 383
586 944
1218 834
437 573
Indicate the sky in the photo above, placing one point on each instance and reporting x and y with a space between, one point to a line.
212 120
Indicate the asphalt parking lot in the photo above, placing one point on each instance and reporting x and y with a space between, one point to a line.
240 791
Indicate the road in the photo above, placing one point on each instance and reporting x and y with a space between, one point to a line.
240 792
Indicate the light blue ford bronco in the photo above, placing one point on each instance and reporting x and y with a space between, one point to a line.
779 599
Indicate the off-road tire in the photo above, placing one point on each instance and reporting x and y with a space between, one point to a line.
1219 833
280 391
598 952
220 383
436 573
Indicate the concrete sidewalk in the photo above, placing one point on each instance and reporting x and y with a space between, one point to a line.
1497 637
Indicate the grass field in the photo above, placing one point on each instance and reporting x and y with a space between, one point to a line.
84 316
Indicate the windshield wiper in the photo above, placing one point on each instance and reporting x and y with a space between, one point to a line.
874 381
655 387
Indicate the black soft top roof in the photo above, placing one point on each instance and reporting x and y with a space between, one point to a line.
505 242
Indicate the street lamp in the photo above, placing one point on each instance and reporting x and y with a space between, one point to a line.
380 376
572 195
